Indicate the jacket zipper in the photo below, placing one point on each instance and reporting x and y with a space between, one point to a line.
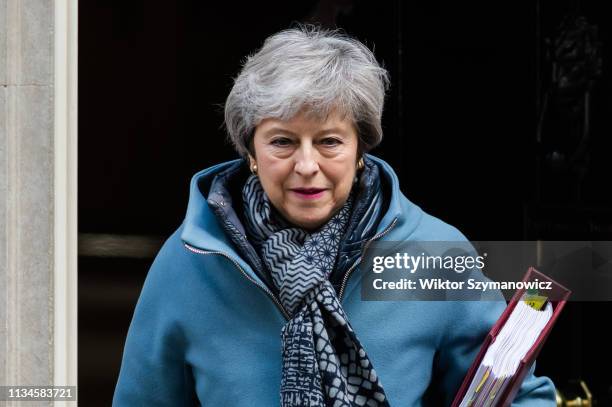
262 287
350 270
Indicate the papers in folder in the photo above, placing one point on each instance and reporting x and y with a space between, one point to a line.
501 361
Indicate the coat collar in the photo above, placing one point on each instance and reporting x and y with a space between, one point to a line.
201 228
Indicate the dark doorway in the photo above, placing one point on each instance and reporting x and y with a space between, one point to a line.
460 130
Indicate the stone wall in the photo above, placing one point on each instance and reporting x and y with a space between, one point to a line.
26 192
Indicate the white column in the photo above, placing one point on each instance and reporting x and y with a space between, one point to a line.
65 185
37 191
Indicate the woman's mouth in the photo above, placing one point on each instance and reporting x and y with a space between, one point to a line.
308 193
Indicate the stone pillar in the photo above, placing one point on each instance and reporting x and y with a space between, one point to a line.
26 192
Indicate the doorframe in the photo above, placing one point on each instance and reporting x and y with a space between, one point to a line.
65 294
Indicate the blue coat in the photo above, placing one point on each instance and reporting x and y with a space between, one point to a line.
207 329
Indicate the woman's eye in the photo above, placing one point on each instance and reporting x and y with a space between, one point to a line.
281 142
330 141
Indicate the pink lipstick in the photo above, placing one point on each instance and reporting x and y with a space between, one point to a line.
309 193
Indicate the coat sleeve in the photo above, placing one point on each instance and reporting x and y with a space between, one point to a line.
459 347
153 369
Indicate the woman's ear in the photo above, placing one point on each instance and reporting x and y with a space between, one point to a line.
252 165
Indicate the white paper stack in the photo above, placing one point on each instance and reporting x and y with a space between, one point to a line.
504 355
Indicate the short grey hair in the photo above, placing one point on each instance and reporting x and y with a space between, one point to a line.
313 68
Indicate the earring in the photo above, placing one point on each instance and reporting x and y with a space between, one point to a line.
254 169
360 164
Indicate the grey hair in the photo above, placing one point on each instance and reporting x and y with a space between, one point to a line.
312 68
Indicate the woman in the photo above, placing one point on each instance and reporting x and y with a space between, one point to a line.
253 300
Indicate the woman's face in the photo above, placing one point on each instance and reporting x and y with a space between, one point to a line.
306 166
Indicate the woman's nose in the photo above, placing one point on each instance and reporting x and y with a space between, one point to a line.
306 162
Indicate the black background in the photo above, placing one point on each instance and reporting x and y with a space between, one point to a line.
459 130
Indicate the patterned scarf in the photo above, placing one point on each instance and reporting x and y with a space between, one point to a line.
324 363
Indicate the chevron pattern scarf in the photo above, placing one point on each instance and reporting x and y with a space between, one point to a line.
324 363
